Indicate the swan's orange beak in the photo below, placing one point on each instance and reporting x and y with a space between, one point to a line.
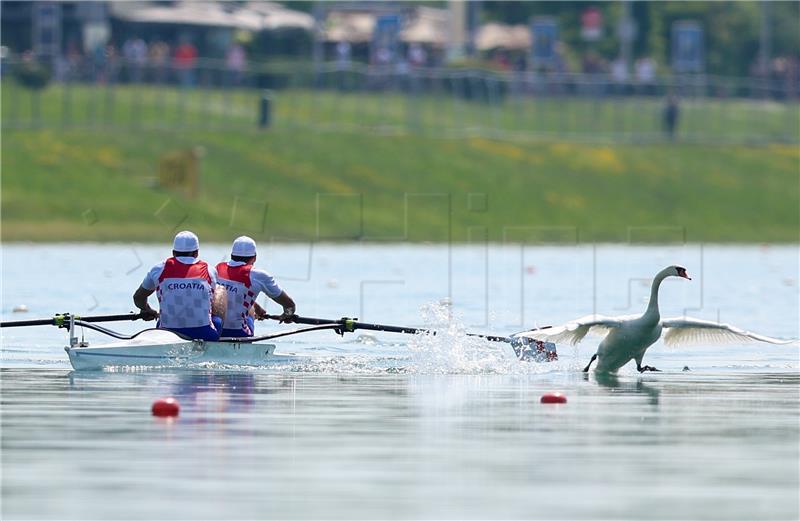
682 273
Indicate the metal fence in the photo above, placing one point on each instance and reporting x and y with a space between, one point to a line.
437 102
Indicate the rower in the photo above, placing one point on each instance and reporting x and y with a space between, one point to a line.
243 283
189 298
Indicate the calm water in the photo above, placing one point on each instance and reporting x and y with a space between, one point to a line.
399 427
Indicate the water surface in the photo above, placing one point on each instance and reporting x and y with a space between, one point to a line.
395 427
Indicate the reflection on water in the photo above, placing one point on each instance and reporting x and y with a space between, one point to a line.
613 382
217 392
298 446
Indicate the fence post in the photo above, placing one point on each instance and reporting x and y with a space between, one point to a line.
66 102
136 104
412 103
108 108
265 109
36 112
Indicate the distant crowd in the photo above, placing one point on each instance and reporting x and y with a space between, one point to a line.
781 75
135 60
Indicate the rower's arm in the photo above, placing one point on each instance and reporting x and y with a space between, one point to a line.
288 304
219 303
140 301
257 311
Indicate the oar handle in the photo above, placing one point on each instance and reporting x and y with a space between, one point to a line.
62 319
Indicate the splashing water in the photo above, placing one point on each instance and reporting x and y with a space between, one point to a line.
447 349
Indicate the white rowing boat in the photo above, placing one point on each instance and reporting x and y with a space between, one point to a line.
162 348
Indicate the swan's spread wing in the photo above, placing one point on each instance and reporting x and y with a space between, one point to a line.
574 331
695 331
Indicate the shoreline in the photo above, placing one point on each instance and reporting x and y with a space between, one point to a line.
397 244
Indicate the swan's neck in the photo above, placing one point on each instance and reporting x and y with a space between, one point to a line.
652 306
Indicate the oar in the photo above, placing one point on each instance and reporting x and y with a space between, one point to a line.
241 340
348 325
62 320
270 336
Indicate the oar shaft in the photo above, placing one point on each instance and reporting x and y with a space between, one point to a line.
58 320
352 325
111 318
491 338
21 323
270 336
388 329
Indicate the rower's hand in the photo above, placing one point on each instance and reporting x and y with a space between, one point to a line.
287 316
149 314
260 313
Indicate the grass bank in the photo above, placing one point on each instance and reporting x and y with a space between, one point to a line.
289 183
611 119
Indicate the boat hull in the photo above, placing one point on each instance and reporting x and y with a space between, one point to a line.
160 348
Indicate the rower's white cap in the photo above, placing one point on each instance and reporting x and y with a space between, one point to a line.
244 246
186 241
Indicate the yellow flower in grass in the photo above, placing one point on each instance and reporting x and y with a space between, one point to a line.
498 148
565 201
108 157
605 158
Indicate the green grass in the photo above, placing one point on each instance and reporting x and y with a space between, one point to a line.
609 119
95 181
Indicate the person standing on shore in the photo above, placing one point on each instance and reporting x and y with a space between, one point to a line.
671 115
190 301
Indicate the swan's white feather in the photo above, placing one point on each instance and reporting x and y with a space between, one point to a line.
693 331
573 332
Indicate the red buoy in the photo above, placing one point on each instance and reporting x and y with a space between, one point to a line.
553 398
166 407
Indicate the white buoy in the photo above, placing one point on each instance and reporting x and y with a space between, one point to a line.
332 283
21 308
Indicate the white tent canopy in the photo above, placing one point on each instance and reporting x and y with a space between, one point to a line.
420 25
502 36
276 16
429 25
253 16
353 27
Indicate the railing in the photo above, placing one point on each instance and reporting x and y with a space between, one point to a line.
428 101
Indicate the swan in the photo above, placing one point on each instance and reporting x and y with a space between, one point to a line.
628 337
